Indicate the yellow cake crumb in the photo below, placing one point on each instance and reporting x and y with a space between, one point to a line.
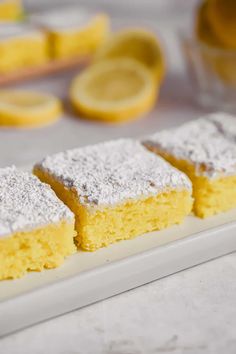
45 247
205 151
117 190
36 228
84 41
72 31
10 10
211 196
21 46
125 221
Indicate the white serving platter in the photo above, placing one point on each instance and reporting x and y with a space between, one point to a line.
89 277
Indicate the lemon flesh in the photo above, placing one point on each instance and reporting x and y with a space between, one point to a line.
137 44
23 108
117 90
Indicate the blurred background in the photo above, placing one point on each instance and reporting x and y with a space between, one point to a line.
198 76
126 8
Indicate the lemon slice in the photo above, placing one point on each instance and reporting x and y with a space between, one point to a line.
222 17
137 44
114 90
24 108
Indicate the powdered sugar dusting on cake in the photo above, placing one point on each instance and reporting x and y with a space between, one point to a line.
113 172
76 18
13 29
27 203
205 142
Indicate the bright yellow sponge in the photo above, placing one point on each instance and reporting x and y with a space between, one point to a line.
205 150
10 10
44 247
72 31
117 190
36 228
21 46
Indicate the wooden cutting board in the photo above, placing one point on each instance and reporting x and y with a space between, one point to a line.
50 68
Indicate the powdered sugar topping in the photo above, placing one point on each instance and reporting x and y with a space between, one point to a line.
226 124
13 29
27 203
113 172
63 19
208 142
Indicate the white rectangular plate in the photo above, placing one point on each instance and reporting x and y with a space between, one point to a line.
89 277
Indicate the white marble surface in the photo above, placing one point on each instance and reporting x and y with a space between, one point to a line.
190 312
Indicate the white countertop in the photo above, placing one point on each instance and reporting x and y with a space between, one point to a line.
190 312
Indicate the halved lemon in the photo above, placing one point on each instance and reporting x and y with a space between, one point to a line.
24 108
222 17
138 44
114 91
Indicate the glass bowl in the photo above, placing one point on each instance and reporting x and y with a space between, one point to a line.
213 74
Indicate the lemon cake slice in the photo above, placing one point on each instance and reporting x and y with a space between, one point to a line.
73 30
205 149
10 10
117 190
226 125
36 228
21 46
